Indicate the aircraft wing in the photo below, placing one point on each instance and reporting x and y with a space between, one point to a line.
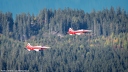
36 49
28 49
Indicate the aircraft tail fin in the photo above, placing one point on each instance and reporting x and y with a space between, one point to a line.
70 29
28 44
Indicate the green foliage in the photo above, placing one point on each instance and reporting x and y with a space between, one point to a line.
106 49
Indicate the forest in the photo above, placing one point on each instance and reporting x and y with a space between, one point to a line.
103 50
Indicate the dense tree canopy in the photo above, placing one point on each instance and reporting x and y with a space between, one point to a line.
105 49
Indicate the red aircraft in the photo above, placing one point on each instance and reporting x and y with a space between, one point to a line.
77 32
36 48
